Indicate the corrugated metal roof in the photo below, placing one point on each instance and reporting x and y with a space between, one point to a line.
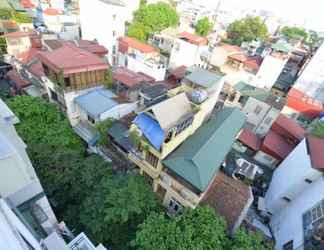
151 129
96 102
170 111
204 78
199 158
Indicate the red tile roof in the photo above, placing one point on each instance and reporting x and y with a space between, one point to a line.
228 197
179 73
231 48
27 4
253 62
72 59
239 57
31 61
248 138
276 146
93 47
17 79
18 34
51 12
192 38
316 146
127 42
128 77
302 103
288 128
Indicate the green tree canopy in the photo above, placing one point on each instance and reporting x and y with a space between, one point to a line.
246 30
294 32
252 241
42 123
317 129
203 27
152 18
122 203
198 229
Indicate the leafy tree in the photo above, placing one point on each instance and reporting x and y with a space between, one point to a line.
109 79
21 17
42 123
294 32
198 229
203 27
5 14
102 128
251 241
3 46
122 203
152 18
246 30
138 31
317 129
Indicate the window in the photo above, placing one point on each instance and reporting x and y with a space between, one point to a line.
67 81
308 181
151 158
257 110
53 95
268 120
46 70
288 246
286 199
174 206
169 136
90 119
314 216
184 124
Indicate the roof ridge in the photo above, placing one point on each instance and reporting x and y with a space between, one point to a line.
211 137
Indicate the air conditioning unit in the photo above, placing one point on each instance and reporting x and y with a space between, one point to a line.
166 180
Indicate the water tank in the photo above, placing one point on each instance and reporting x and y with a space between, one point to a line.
198 96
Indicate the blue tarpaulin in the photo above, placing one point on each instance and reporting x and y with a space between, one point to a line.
151 129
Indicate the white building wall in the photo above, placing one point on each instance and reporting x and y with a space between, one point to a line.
12 230
184 53
119 111
287 223
289 178
269 72
157 71
250 109
267 122
95 13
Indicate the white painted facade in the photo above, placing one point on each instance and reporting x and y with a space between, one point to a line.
16 46
105 21
260 115
187 54
14 235
291 180
269 71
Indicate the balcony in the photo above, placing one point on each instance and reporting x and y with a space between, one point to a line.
141 163
82 242
87 132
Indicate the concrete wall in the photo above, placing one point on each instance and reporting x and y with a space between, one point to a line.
157 71
12 230
287 223
16 46
113 16
269 72
250 107
289 178
184 53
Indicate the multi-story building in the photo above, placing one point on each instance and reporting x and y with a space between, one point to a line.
260 70
180 152
17 42
71 72
140 57
306 96
295 199
19 183
187 51
112 12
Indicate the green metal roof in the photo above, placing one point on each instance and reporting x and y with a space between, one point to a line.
204 78
243 86
4 4
259 94
199 158
117 130
283 47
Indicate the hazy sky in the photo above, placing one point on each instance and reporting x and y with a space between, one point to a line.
311 11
